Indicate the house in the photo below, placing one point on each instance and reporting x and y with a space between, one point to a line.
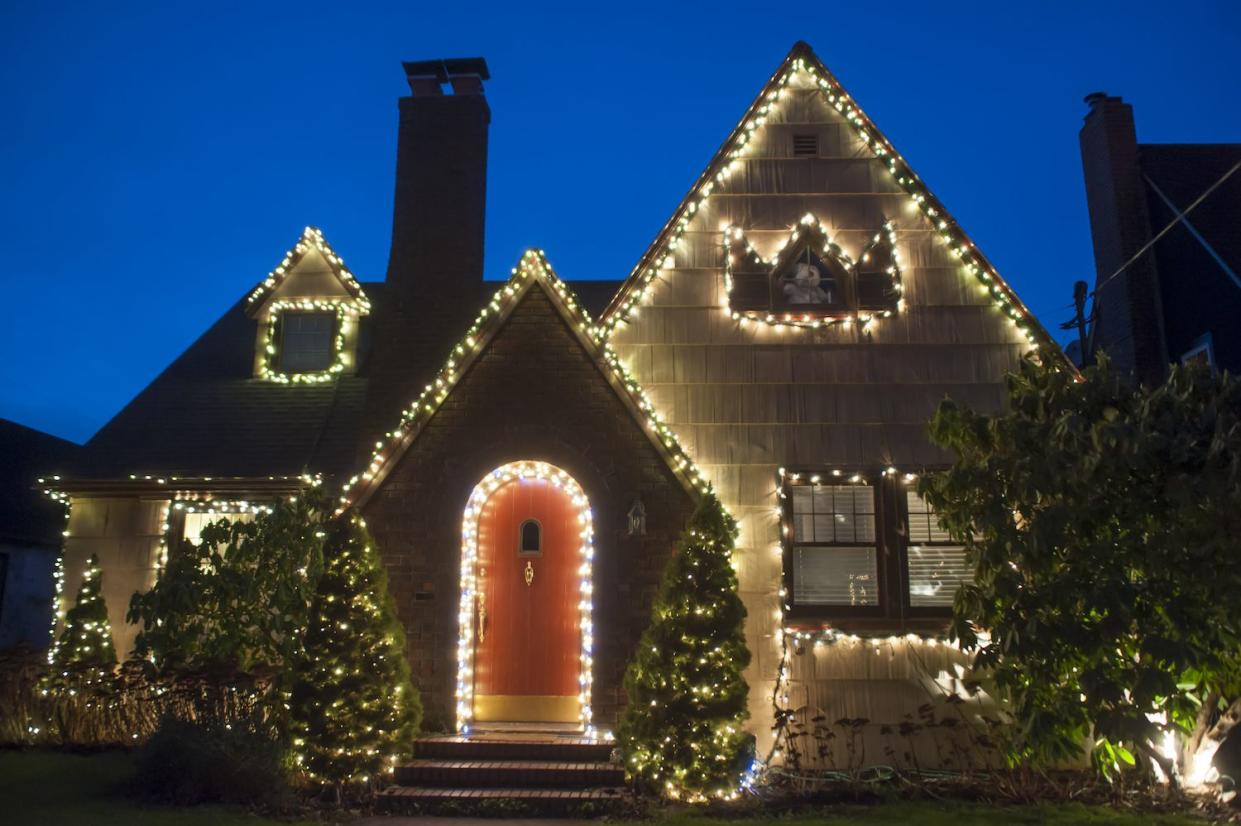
31 528
1166 290
526 452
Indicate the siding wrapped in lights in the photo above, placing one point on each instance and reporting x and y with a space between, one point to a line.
660 255
825 633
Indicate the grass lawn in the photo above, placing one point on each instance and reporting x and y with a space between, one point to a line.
930 813
49 788
42 787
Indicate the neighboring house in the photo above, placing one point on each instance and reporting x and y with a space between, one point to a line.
1169 299
527 452
31 533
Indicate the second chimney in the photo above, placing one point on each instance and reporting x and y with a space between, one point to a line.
441 177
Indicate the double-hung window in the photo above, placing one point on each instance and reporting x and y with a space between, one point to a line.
868 554
936 566
833 550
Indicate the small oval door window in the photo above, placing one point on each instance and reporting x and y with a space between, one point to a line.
530 540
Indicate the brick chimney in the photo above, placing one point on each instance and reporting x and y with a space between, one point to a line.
1128 320
434 286
441 177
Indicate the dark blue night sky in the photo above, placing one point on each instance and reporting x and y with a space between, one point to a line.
159 159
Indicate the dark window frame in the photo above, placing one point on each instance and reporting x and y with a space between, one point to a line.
1203 349
892 613
282 347
917 611
790 544
850 280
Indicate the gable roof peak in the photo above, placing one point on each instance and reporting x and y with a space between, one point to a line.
312 239
533 269
802 59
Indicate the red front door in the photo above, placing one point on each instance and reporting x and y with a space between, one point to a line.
527 635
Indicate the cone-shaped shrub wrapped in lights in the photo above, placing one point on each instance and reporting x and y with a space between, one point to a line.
682 731
85 654
355 709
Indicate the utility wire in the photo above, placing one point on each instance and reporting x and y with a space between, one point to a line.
1168 228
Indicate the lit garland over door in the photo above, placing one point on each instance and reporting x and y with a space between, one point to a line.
562 567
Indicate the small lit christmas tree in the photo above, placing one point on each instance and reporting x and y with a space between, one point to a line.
85 654
682 730
355 710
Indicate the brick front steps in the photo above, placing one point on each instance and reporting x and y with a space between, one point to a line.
507 766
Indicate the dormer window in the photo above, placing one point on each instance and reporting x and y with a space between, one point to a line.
306 341
308 311
811 279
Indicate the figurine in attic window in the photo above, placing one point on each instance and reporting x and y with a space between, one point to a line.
807 285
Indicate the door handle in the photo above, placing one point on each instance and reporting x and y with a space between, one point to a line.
482 617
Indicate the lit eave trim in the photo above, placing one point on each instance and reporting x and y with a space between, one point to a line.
312 238
532 267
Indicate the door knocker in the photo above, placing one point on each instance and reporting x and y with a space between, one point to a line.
529 573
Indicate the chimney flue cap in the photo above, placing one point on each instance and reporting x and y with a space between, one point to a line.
1095 98
466 74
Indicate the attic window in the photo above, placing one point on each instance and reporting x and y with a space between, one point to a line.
811 280
805 146
306 341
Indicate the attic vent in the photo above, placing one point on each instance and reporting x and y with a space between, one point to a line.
805 146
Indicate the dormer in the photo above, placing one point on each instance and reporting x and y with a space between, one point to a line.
810 280
308 309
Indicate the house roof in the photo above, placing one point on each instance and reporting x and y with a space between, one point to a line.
532 272
206 415
26 516
802 58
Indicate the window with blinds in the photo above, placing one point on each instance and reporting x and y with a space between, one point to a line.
306 342
936 566
834 553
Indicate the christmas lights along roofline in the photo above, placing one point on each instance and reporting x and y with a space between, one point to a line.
532 269
803 58
176 486
312 238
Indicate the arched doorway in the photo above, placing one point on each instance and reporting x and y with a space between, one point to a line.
524 654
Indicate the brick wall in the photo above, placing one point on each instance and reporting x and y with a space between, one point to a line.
536 394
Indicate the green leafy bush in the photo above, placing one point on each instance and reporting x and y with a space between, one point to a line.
239 599
190 763
1102 524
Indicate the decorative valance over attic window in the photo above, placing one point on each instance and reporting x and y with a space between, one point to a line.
811 279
